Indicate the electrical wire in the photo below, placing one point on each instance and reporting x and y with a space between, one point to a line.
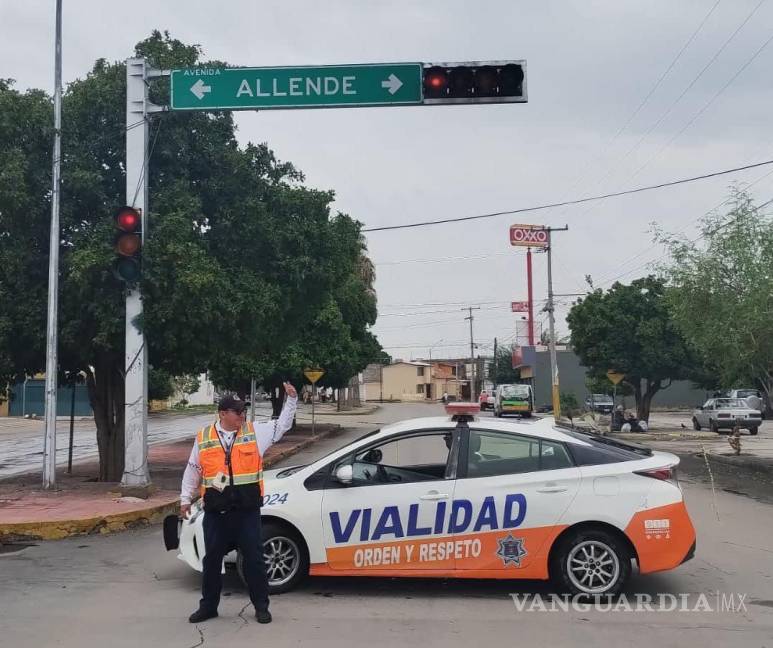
583 176
577 201
618 162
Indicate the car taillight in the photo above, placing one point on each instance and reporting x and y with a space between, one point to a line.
665 474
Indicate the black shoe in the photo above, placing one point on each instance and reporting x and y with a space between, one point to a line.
202 615
263 616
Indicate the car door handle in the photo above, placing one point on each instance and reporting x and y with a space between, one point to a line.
433 496
552 488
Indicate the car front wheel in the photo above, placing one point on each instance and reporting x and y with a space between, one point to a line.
713 426
753 431
592 562
285 555
695 424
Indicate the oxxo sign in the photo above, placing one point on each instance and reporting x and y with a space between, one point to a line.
529 236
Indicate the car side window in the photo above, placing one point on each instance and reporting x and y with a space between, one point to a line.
490 454
404 460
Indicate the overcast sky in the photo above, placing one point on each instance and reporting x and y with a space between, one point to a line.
590 66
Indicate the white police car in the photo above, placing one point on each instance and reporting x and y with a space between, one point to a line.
463 497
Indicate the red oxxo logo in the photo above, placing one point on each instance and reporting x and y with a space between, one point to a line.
529 235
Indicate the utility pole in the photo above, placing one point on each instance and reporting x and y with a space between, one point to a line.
52 361
550 308
472 352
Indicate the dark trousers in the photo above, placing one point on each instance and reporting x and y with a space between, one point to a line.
223 532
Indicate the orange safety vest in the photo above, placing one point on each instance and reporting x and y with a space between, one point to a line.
246 462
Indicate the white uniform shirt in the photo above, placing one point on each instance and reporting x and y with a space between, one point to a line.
266 435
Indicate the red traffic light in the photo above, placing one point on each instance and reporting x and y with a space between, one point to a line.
435 82
128 244
475 82
128 219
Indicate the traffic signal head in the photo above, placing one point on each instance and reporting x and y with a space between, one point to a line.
475 82
128 244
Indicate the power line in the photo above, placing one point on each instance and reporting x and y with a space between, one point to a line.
622 129
577 201
673 105
705 107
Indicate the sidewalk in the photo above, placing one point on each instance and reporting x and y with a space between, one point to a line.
672 432
82 505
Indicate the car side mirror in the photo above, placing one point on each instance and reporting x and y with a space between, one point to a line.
345 474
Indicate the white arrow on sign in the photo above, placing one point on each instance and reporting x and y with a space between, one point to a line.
393 84
199 89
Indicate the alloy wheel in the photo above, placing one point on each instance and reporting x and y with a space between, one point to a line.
593 567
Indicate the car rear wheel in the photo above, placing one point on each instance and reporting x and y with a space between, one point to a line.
713 426
285 555
753 431
592 562
695 424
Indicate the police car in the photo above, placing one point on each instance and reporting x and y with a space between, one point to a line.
465 497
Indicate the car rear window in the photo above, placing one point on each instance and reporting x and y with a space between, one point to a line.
603 450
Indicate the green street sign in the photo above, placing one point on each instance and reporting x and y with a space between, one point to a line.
331 86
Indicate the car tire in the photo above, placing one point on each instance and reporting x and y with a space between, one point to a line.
713 426
573 562
695 425
279 539
753 431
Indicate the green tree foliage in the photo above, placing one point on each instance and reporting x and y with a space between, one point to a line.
721 295
629 329
501 371
240 260
569 405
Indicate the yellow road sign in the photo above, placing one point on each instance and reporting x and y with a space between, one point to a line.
313 375
615 377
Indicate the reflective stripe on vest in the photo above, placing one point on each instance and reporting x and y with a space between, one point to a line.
246 462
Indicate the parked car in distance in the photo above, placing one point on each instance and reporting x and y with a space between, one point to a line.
599 403
726 413
753 398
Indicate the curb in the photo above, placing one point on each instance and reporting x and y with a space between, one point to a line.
115 522
761 464
360 411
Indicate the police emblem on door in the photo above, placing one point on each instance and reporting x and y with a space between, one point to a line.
511 550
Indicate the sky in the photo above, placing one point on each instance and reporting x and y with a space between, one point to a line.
621 95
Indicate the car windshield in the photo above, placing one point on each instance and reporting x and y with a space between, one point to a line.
730 402
745 393
515 391
602 398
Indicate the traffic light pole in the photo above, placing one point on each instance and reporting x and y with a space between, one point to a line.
136 473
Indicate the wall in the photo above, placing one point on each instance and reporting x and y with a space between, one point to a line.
571 378
32 400
400 381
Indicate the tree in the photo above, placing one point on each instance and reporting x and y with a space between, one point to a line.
569 405
239 256
721 295
501 371
629 329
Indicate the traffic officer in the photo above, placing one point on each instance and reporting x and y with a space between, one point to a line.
226 468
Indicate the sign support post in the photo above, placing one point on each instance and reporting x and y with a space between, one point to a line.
313 375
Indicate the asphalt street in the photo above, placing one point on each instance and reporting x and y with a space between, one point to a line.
125 590
21 440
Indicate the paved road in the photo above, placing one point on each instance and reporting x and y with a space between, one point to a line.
124 590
